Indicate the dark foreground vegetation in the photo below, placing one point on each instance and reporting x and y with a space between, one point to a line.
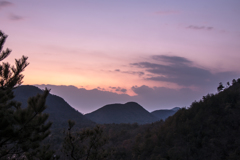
208 129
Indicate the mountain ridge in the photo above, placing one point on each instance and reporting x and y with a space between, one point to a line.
130 112
58 109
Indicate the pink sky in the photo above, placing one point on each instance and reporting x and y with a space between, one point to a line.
94 43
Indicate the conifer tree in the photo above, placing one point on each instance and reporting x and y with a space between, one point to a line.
87 144
21 129
220 87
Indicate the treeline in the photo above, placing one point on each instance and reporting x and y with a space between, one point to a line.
209 129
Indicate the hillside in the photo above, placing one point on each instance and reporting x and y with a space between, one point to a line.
130 112
209 129
163 114
58 109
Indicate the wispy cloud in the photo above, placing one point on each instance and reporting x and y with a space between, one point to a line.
118 89
181 71
208 28
166 12
130 72
15 17
171 59
5 4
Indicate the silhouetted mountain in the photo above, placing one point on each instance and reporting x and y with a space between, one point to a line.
82 99
130 112
164 113
58 109
87 101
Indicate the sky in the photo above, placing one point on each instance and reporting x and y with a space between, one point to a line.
160 53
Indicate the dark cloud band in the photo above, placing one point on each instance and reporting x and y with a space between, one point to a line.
5 4
181 71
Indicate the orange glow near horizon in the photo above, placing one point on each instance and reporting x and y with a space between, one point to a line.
93 45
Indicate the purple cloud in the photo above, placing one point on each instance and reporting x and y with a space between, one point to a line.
131 72
5 4
171 59
15 17
208 28
165 97
118 89
181 71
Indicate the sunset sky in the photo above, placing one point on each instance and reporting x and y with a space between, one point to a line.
143 48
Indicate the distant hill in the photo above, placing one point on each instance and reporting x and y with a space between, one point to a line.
58 109
86 100
130 112
164 113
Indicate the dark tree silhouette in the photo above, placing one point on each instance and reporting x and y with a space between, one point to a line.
87 144
220 87
21 130
228 84
234 81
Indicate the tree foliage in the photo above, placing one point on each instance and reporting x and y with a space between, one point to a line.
87 144
21 129
220 87
209 129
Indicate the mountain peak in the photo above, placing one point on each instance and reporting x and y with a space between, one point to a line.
130 112
132 103
58 109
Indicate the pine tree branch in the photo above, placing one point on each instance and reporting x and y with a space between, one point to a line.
26 123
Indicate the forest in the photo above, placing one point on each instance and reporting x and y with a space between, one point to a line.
208 129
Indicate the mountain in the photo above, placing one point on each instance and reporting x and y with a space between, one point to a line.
82 99
164 113
58 109
130 112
